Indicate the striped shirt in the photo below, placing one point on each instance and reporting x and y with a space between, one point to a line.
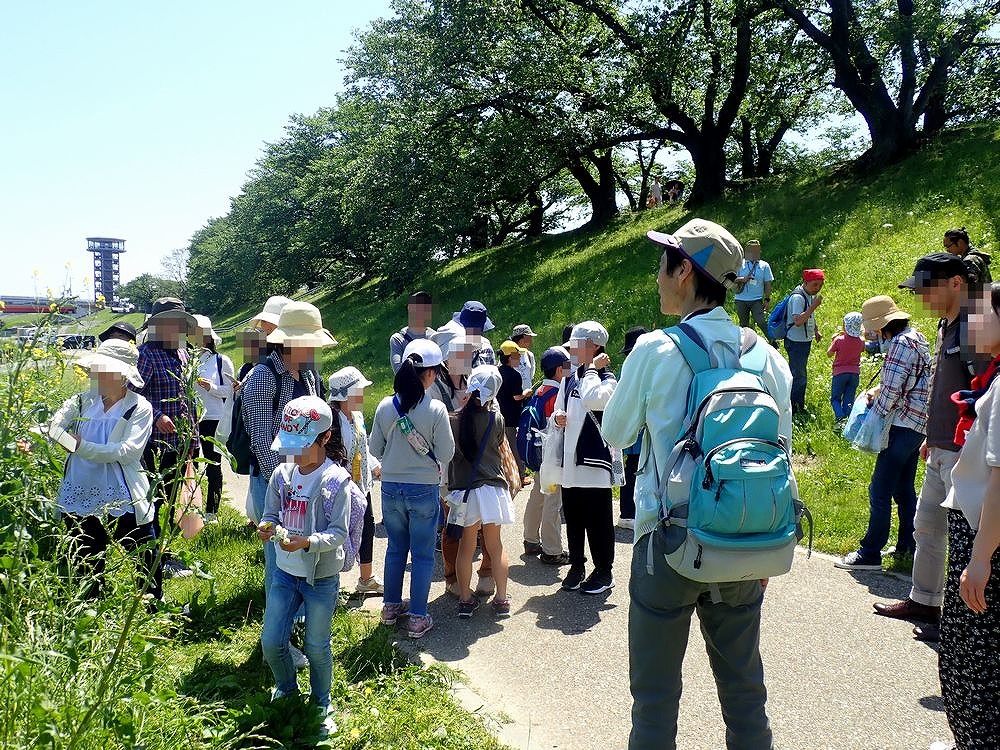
258 407
905 390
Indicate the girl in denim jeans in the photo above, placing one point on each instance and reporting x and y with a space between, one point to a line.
307 516
412 438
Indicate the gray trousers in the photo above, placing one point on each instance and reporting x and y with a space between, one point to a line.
658 627
746 308
930 529
542 521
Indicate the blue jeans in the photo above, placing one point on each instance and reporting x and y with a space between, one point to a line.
410 515
258 492
843 389
894 475
798 359
288 593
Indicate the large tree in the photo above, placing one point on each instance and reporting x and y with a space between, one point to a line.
893 60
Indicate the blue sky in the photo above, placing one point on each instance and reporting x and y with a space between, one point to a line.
140 120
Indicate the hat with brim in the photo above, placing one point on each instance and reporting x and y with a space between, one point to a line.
935 267
709 246
473 315
510 347
631 336
426 352
302 421
272 310
522 329
205 329
301 324
118 327
878 312
485 381
115 355
590 330
343 380
171 308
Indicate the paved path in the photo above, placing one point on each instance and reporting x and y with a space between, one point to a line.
839 677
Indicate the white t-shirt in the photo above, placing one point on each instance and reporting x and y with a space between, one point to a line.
297 498
980 455
758 272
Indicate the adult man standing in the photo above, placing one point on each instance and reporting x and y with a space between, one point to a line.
941 281
700 261
802 331
753 288
523 336
419 310
956 242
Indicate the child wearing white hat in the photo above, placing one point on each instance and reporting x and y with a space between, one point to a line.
347 397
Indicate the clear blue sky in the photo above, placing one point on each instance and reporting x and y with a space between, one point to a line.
140 120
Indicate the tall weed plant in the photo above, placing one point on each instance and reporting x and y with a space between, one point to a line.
75 671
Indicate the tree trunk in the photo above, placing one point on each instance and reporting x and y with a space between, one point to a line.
749 167
536 216
708 155
600 191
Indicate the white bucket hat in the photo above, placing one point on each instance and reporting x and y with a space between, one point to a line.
484 380
115 355
205 329
272 310
343 380
301 323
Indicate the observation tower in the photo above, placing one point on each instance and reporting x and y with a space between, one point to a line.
106 274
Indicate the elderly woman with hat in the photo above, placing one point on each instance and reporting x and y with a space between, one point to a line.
347 397
104 493
901 401
216 377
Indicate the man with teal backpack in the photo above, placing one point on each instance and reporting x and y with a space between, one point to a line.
717 507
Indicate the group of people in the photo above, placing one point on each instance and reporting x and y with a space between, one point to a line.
444 445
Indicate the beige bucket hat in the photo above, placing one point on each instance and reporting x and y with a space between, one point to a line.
877 312
301 323
115 355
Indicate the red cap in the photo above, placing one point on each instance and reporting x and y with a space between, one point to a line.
813 274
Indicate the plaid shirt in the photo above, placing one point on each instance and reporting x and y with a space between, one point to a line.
905 391
258 408
162 371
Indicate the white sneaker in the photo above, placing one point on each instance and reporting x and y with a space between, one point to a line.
277 695
329 725
372 586
300 660
211 518
626 523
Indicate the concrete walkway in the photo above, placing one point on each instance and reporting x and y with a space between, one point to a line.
838 676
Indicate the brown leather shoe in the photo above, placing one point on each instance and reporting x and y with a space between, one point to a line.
908 610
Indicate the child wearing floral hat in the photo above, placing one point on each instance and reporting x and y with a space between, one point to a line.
846 348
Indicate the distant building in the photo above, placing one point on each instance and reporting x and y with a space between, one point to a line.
106 273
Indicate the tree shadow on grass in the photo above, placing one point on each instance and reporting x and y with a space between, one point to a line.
215 679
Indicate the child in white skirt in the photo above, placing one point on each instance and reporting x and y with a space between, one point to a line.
478 495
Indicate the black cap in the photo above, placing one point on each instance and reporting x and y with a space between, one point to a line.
119 327
935 266
631 336
419 298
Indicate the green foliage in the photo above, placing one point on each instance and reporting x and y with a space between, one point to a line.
146 288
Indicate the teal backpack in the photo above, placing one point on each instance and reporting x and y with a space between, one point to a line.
729 504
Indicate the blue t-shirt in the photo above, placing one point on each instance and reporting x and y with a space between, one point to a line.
758 272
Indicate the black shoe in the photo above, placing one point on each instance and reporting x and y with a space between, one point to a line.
532 548
561 559
597 583
574 578
929 633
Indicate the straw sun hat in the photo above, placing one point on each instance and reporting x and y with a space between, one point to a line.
300 323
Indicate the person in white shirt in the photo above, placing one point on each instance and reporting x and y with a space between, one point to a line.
216 376
753 288
347 397
523 336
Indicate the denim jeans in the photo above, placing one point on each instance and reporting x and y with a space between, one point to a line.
410 515
258 492
288 593
893 478
843 389
798 359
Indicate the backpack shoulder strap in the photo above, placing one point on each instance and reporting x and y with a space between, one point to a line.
218 367
691 346
277 383
752 356
129 412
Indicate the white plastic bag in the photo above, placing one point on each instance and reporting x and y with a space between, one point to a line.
550 473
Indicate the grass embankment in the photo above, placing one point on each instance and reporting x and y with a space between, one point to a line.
865 232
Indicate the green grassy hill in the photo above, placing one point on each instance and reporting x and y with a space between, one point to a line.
866 232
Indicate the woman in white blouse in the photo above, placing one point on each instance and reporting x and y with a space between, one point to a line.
104 494
215 387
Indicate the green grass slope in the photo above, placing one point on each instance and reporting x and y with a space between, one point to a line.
866 232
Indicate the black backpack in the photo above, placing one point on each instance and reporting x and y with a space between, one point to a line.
238 443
